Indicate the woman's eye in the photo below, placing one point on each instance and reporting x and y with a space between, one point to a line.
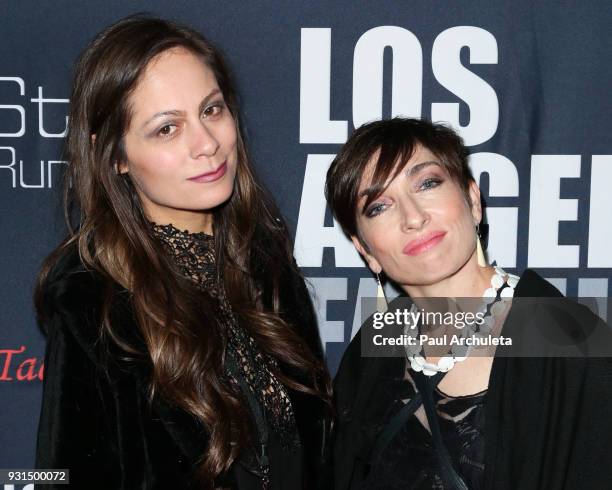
375 210
213 110
430 183
166 130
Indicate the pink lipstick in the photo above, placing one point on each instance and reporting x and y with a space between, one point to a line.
211 176
426 242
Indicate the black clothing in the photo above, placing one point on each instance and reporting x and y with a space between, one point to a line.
461 421
194 253
546 420
248 370
96 419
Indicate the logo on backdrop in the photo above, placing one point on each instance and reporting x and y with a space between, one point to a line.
547 209
29 116
17 101
17 365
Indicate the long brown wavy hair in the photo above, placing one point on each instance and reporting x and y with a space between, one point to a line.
113 237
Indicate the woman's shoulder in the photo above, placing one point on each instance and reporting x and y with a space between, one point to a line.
69 285
72 300
563 325
532 285
360 375
534 290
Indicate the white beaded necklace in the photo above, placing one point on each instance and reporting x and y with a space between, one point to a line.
458 352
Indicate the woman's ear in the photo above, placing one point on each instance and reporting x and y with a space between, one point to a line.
475 205
362 248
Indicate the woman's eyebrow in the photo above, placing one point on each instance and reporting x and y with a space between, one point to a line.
163 114
420 166
415 169
205 100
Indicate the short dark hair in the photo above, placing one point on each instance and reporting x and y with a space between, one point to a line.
395 141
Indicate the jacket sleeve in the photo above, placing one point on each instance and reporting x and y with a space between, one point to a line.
96 419
73 430
548 421
590 456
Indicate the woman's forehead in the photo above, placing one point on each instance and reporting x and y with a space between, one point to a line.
420 159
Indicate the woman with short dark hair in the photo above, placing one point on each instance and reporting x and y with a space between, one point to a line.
454 419
182 347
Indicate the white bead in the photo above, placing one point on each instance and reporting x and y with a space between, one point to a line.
497 281
490 293
429 372
419 360
431 367
446 363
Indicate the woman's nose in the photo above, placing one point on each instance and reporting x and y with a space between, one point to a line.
203 141
413 215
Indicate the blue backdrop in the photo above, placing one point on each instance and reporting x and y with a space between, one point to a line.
526 83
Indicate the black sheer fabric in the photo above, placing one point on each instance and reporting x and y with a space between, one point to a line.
247 367
410 461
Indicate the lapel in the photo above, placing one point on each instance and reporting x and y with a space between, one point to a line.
507 375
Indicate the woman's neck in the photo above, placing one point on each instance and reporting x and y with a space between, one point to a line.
192 222
468 282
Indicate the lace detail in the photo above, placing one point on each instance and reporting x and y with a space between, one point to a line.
194 254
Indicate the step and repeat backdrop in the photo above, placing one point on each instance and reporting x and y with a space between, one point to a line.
526 83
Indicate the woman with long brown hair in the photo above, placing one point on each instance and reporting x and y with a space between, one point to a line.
182 347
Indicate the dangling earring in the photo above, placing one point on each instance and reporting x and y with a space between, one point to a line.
482 261
381 298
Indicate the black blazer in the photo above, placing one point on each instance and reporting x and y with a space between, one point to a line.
95 418
548 422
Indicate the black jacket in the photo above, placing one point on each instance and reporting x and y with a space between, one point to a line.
95 418
548 422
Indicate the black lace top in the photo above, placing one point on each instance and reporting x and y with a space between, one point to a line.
250 368
461 421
